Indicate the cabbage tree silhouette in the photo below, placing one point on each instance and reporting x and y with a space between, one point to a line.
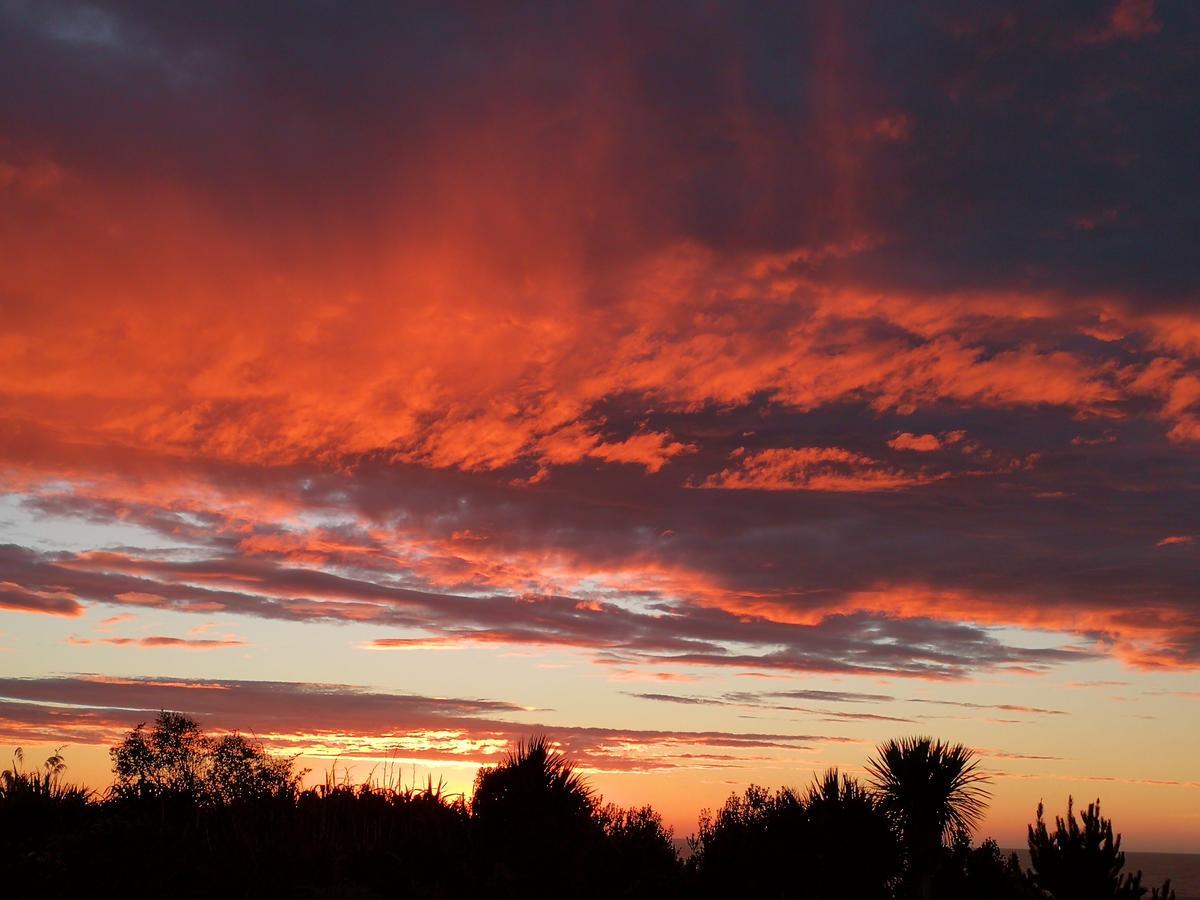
535 782
536 820
1084 863
933 792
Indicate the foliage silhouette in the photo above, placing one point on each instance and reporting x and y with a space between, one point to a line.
742 847
177 760
831 842
166 761
933 793
42 817
981 873
641 850
1074 863
536 819
21 785
195 815
849 849
535 784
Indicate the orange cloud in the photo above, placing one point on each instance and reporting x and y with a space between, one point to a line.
1175 539
922 443
813 469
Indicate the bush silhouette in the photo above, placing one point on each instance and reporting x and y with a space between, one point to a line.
831 842
981 873
849 849
1074 863
640 858
748 847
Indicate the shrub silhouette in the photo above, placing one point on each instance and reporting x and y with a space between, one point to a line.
831 842
640 859
749 846
239 771
1084 863
981 873
933 792
849 849
387 839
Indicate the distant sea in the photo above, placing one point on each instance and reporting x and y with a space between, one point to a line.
1182 868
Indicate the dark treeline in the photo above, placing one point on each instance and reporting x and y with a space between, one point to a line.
190 815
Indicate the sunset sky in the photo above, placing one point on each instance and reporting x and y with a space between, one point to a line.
719 388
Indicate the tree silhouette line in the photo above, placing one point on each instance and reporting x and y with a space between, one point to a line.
190 814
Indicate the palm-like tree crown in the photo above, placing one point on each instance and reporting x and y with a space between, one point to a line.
535 780
933 790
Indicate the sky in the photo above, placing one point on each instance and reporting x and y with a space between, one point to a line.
721 389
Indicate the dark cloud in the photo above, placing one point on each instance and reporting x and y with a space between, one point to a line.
663 632
353 721
985 146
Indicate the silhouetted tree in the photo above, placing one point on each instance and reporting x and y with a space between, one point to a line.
932 791
168 760
177 760
831 842
1084 863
